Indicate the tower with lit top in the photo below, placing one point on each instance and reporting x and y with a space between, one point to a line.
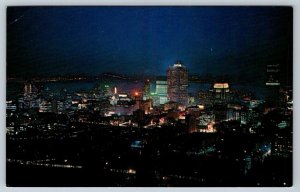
177 79
221 91
272 85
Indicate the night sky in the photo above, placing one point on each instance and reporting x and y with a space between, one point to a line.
146 40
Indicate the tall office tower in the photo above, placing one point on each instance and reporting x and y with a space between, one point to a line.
177 78
30 90
146 90
27 89
221 91
273 75
272 85
161 90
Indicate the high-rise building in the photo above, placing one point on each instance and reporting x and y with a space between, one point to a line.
27 89
146 90
273 75
161 90
221 91
177 78
272 85
159 93
30 90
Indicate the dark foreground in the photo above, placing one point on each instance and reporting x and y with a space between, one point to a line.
93 155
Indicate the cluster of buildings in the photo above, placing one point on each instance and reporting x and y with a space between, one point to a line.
161 99
217 114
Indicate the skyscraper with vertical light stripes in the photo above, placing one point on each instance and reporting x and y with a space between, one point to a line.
177 78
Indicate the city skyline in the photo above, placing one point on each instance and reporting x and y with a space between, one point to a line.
135 134
93 40
95 96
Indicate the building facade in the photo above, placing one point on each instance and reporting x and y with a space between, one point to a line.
272 85
161 90
221 92
177 79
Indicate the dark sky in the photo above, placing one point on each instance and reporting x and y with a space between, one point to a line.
92 40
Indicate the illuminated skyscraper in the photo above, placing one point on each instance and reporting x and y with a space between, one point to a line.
161 90
273 75
221 91
177 78
146 89
27 89
272 85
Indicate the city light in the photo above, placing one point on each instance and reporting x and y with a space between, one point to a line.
131 171
201 106
221 86
130 115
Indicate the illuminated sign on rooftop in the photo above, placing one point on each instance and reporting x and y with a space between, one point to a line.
122 95
221 85
272 83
